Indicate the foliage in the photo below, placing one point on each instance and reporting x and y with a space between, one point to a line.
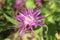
50 9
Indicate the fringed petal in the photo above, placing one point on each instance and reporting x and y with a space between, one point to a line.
24 11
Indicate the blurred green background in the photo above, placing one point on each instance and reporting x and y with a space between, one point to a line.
50 9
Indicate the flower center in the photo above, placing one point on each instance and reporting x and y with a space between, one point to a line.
29 20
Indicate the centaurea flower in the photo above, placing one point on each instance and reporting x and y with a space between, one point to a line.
39 2
29 18
19 3
1 4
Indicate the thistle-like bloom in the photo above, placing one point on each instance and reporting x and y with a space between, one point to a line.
39 2
1 4
29 19
19 3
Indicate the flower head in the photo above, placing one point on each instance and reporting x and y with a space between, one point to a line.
30 18
39 2
19 3
1 4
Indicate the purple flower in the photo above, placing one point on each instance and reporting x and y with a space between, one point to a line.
1 4
19 3
29 19
39 2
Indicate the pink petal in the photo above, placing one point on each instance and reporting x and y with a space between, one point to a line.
24 11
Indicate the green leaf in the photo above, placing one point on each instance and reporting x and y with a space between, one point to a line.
13 21
30 4
40 32
50 19
53 6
